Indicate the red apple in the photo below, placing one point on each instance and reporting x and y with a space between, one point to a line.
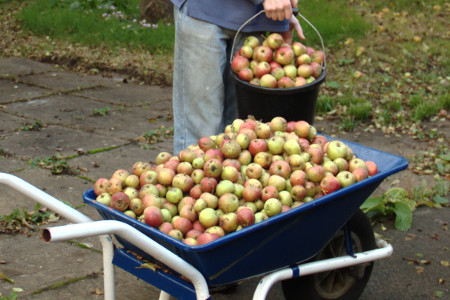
238 63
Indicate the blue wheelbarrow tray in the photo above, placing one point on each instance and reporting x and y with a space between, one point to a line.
278 242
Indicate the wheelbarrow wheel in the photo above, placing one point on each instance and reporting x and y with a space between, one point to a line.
343 284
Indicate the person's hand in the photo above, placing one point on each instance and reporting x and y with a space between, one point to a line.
293 24
279 10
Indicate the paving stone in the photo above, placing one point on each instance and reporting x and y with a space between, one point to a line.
18 66
12 91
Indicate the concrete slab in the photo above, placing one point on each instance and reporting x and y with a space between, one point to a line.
65 81
99 165
56 139
10 164
18 66
12 91
10 123
132 95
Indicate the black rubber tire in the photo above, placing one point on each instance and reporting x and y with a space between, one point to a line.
343 284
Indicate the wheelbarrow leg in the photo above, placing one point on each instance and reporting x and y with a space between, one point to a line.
71 214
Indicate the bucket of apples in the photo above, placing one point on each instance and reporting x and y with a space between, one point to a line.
274 78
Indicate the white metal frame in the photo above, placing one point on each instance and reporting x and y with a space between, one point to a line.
85 227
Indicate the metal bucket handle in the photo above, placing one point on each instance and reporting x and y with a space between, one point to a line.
295 13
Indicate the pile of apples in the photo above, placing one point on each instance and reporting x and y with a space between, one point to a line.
251 172
276 64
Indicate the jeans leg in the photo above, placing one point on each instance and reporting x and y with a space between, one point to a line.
198 87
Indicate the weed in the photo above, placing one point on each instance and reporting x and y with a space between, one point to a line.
100 111
13 295
36 126
154 136
425 110
398 203
56 164
23 221
324 104
360 111
348 123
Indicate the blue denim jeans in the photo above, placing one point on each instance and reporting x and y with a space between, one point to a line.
204 100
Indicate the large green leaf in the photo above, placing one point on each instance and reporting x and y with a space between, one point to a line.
374 204
403 216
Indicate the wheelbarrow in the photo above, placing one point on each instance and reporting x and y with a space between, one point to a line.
302 247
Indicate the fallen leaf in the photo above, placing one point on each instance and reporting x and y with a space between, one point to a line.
445 263
97 292
420 270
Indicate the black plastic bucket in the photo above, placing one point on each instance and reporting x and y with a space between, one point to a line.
293 104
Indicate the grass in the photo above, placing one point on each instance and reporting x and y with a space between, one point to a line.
346 22
97 23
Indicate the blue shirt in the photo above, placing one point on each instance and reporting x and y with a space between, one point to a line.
231 14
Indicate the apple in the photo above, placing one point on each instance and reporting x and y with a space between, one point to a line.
238 63
360 173
299 81
305 71
165 227
274 40
372 167
101 186
298 192
329 184
284 55
104 198
246 74
298 177
290 71
121 174
281 168
301 128
190 241
263 130
213 153
261 69
153 216
174 195
285 83
251 193
303 59
208 217
140 167
268 81
257 145
357 163
317 69
272 207
182 224
269 192
263 53
263 158
231 149
336 149
193 233
331 167
208 184
275 144
172 163
298 48
345 178
245 216
277 181
224 186
309 50
228 202
315 173
212 201
151 200
206 238
318 57
251 41
228 222
162 157
213 168
316 154
230 173
120 201
273 65
115 185
246 51
176 234
278 73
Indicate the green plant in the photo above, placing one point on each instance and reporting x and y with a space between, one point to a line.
21 221
13 295
324 104
100 111
56 164
154 136
397 203
33 127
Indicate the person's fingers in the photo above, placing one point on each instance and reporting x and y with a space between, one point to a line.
298 28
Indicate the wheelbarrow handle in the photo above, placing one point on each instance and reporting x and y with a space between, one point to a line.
296 13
